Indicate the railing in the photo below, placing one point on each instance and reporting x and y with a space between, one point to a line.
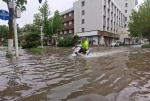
67 27
69 18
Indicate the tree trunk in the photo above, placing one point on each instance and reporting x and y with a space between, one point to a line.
11 34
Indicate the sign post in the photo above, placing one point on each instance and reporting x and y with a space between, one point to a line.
4 15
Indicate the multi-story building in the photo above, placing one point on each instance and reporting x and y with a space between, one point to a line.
100 21
126 6
68 19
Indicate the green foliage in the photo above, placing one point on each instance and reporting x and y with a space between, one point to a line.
75 39
4 31
146 46
37 19
139 25
38 49
32 40
57 22
5 44
18 29
29 28
67 41
50 25
19 4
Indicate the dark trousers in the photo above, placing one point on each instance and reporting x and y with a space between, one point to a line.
82 50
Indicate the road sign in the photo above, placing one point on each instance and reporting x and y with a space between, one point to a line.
4 15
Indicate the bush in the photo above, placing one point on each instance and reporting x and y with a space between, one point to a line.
5 43
146 46
67 41
32 40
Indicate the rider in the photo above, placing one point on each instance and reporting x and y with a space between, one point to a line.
85 46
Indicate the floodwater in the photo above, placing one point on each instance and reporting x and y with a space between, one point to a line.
107 74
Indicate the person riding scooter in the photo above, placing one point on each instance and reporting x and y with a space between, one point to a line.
85 46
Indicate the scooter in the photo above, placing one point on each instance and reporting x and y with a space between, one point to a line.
77 48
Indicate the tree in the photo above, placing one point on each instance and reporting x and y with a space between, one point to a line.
139 25
32 40
67 41
57 22
37 19
50 25
4 31
28 28
21 5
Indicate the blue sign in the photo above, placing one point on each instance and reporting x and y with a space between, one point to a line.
4 15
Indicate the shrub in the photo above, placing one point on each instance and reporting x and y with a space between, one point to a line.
5 43
146 46
67 41
32 40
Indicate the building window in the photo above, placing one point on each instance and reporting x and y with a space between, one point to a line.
125 26
107 28
125 18
104 28
83 3
83 12
82 29
126 5
125 11
83 21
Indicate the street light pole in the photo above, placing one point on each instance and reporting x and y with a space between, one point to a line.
15 31
41 36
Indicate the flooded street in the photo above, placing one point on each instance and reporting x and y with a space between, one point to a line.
107 74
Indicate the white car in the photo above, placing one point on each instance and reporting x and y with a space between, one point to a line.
115 44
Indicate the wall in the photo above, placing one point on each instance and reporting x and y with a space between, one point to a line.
93 18
90 33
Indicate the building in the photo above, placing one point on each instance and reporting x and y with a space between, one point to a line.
126 6
68 17
100 21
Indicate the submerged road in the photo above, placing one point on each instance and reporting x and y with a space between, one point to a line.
107 74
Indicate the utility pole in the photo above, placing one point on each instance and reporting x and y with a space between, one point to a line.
15 30
41 36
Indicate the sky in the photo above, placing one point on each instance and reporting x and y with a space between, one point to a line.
32 8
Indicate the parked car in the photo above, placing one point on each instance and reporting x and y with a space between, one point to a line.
115 44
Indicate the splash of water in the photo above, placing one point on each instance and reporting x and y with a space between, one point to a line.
99 54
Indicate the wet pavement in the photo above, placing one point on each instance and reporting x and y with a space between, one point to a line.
107 74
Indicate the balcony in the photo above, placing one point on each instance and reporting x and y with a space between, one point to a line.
69 18
67 27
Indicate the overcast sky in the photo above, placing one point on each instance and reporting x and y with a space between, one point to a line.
32 8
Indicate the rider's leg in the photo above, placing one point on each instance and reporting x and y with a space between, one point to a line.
80 51
84 51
